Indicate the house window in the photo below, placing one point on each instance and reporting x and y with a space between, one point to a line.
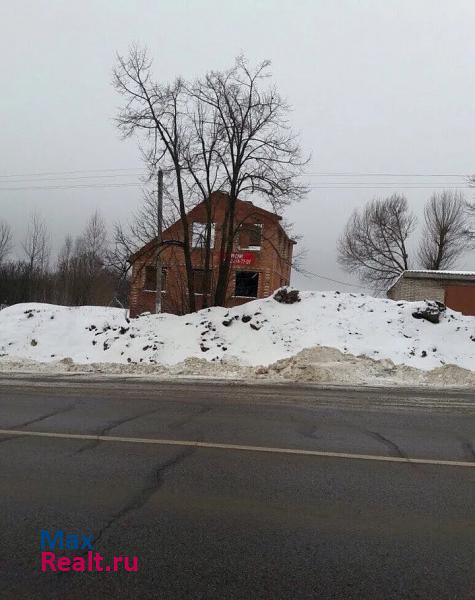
284 247
164 279
198 235
247 283
250 236
199 280
150 284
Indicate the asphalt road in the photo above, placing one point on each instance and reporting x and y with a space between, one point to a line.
234 491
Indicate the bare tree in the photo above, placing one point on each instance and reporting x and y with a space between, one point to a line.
374 243
470 213
5 240
206 173
142 229
227 131
87 262
444 236
37 251
470 229
95 242
64 271
36 244
257 152
158 111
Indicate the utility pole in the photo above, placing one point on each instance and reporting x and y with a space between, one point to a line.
158 301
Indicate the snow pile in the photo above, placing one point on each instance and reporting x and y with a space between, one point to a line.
329 365
328 336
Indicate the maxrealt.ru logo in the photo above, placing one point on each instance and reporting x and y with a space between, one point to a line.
86 559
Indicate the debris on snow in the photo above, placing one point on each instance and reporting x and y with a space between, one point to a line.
287 296
431 312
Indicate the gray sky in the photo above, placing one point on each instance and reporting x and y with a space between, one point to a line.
380 86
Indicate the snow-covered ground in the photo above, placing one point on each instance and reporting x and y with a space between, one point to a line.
328 336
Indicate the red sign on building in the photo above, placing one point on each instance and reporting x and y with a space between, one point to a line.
242 258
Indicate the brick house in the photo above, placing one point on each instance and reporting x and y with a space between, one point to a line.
456 289
261 259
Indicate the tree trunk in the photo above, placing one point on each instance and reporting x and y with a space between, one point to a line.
186 244
226 251
207 274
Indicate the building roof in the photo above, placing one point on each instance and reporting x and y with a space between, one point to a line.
438 275
214 196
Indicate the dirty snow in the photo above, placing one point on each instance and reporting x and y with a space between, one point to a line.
327 337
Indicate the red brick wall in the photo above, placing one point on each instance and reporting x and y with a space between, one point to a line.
272 262
461 298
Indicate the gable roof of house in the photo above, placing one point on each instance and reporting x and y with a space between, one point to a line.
215 195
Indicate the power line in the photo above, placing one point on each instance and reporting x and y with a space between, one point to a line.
389 187
338 186
356 183
332 280
40 180
71 187
91 176
323 183
312 173
359 174
41 174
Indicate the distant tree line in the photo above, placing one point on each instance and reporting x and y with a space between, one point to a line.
375 242
81 274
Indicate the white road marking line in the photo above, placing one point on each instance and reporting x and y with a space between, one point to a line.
271 450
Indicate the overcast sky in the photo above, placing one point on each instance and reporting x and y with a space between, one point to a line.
383 86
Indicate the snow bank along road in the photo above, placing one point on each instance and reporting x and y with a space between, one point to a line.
346 515
327 337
